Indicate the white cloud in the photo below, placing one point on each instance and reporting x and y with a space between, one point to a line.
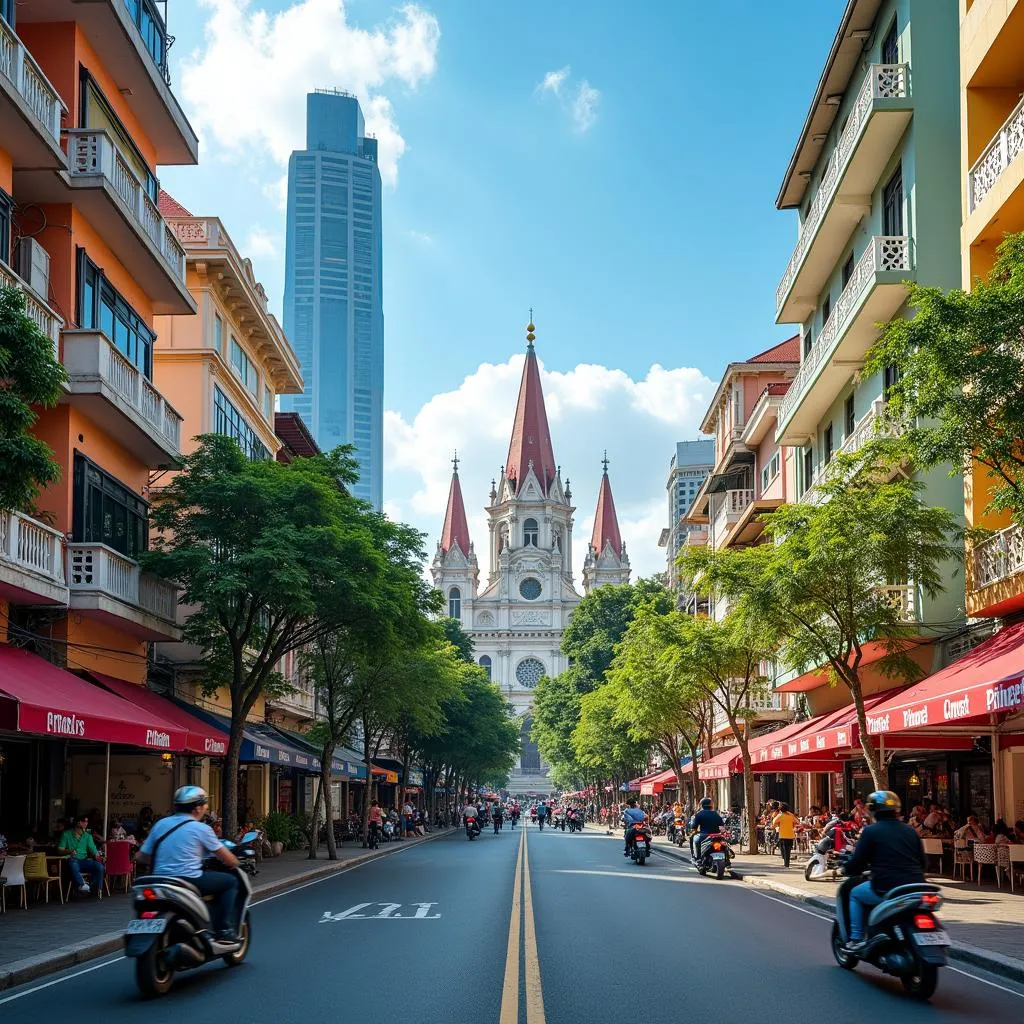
246 86
584 106
553 80
580 104
590 408
259 242
423 238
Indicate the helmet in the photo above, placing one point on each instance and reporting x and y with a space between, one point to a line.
706 803
188 798
883 803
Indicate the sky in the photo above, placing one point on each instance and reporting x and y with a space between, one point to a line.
612 166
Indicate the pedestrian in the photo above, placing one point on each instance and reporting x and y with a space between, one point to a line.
785 822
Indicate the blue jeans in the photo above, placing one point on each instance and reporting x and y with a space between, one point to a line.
94 869
862 899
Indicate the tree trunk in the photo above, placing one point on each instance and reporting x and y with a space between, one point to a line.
369 785
748 790
879 772
229 781
314 828
694 776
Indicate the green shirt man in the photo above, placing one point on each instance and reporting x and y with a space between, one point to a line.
79 844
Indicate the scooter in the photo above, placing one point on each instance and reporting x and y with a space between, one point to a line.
903 938
388 831
715 854
639 842
172 930
472 828
826 858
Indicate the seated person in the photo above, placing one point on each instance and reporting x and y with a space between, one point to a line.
78 844
971 831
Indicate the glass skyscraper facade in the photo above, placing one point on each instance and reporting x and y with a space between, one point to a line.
333 299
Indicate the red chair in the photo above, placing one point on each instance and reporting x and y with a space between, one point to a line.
119 862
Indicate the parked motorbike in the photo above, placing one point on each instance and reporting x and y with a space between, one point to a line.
387 831
826 858
472 828
715 855
172 930
732 828
903 938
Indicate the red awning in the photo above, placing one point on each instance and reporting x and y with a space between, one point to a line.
37 697
722 765
987 681
200 736
656 783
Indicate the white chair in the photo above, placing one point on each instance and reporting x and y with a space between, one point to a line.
962 860
933 848
985 853
1014 856
14 875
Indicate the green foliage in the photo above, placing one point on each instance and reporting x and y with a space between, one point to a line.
459 638
603 745
29 375
278 827
961 389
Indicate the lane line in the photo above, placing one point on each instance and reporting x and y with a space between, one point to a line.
534 994
510 988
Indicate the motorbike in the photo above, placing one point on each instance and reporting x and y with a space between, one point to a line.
903 938
172 929
732 828
576 822
472 828
715 855
675 827
826 858
640 842
558 821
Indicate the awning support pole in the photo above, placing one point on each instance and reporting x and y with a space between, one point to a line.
106 796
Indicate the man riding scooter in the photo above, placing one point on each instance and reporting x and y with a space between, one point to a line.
631 816
705 822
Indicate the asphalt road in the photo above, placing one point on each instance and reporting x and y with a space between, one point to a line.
429 935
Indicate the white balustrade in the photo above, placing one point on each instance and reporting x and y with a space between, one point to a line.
18 66
29 544
999 154
45 319
737 501
884 253
94 152
903 598
883 81
998 557
98 568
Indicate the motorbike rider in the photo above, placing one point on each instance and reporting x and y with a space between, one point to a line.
497 816
542 813
376 820
631 815
893 852
705 822
469 815
181 842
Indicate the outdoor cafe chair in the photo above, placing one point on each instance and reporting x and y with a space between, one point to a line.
962 859
985 853
933 848
1012 860
38 873
119 863
14 876
70 886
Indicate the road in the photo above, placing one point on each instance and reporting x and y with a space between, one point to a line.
429 934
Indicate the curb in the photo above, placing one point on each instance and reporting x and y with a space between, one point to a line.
18 972
986 959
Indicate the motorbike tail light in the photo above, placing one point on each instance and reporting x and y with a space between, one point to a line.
148 915
931 901
924 922
149 894
716 846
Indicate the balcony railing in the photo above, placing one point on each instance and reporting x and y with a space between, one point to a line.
884 253
1000 153
45 319
30 545
17 65
883 81
902 597
95 567
998 557
94 152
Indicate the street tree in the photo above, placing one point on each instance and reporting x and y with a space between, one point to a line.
272 557
30 375
459 638
604 745
820 582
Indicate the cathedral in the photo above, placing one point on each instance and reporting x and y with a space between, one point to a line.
517 614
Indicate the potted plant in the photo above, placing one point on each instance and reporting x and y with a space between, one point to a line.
277 827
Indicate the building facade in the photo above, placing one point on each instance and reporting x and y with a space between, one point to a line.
687 470
333 298
517 613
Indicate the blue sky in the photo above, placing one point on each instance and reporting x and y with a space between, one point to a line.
645 234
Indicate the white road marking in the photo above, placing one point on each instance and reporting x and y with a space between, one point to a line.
622 874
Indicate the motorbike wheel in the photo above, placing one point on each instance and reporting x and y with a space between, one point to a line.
640 858
245 934
153 975
701 870
844 959
921 985
720 870
808 869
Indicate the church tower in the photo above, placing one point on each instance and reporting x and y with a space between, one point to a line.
454 569
606 561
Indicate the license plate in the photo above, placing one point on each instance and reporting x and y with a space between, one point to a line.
153 926
931 938
718 856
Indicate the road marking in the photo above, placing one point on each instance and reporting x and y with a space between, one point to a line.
622 874
388 913
510 988
534 995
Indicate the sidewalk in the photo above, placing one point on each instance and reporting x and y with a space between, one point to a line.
50 937
985 923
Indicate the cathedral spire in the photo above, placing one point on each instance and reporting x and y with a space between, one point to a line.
606 522
531 438
456 527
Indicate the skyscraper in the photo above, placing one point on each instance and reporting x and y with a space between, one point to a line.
692 462
333 299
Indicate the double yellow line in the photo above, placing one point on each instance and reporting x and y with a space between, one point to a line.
521 923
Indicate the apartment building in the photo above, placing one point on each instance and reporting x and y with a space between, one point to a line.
687 470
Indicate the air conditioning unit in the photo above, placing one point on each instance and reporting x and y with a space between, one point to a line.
34 266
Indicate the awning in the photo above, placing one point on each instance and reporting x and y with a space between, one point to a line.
200 736
983 687
40 698
725 763
657 783
384 775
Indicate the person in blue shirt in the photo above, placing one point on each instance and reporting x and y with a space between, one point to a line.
705 822
631 816
542 813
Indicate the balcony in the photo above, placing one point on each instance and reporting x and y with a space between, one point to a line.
995 585
766 707
903 598
875 293
300 703
116 395
31 562
45 319
129 39
30 108
110 587
733 505
875 125
108 192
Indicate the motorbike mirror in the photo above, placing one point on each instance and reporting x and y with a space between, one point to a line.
250 837
229 845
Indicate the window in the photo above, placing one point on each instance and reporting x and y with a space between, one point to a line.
455 603
530 533
529 672
849 416
268 404
485 664
151 27
530 588
827 445
808 343
890 377
243 366
107 512
891 45
227 420
808 467
770 471
6 206
218 333
101 308
7 11
892 204
848 269
826 309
